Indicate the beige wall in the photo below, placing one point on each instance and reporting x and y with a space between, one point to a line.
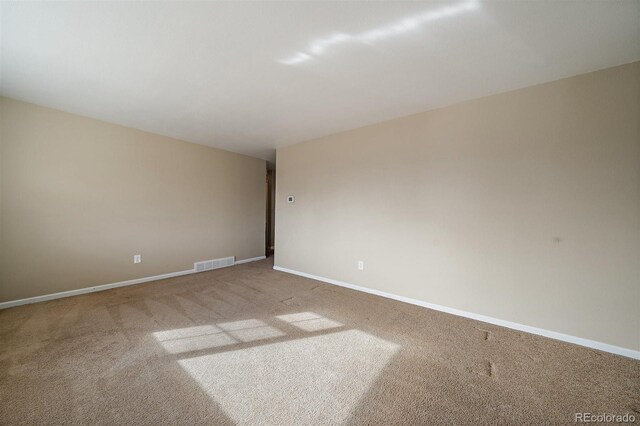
523 206
80 197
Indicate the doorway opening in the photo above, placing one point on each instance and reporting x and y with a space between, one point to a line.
271 210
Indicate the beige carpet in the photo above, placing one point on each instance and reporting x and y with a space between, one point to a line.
248 345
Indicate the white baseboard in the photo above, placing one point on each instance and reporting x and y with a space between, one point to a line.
93 289
503 323
253 259
103 287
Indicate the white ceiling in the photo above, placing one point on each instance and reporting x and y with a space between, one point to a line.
251 76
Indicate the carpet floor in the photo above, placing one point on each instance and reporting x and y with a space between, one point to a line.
248 345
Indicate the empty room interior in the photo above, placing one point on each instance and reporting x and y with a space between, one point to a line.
320 212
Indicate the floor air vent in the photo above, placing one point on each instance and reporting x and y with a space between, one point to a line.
207 265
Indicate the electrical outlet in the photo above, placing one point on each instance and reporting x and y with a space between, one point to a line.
137 258
360 265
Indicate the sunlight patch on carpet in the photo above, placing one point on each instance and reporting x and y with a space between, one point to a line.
309 321
317 379
214 336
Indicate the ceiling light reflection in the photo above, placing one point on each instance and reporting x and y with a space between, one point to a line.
408 24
